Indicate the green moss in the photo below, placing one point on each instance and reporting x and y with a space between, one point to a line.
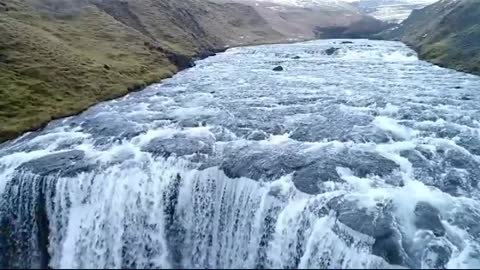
50 68
445 33
58 57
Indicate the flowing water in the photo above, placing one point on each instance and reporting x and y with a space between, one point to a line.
365 158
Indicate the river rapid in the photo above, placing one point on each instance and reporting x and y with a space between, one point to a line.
363 157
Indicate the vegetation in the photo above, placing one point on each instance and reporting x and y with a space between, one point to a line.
446 33
58 57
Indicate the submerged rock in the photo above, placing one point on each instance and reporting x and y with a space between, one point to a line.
331 51
436 256
427 217
109 126
67 164
257 135
310 178
261 163
378 223
180 145
362 164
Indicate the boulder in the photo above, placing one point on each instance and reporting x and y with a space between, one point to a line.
67 164
427 217
377 223
308 179
331 51
436 256
180 60
180 145
107 126
278 68
296 57
259 162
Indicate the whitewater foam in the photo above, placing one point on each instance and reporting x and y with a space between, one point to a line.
370 160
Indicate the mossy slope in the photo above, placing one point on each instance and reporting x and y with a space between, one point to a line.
446 33
58 57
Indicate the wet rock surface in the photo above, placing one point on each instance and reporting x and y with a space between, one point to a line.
261 163
179 145
377 223
331 51
67 164
278 68
324 168
428 218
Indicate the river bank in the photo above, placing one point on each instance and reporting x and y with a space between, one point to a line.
445 33
58 58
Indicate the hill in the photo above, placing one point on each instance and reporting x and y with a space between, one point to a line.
446 33
309 19
58 57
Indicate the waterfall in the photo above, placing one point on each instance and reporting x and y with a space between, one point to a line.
362 159
160 214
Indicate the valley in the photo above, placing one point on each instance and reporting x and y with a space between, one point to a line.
258 134
365 157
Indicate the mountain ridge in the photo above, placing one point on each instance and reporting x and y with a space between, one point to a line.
313 19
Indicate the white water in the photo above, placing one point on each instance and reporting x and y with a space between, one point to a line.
232 165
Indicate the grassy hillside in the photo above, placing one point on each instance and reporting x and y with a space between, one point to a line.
446 33
57 57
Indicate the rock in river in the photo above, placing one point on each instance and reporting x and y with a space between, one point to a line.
278 68
331 51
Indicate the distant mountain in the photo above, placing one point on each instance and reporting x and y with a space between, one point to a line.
341 4
446 33
393 11
390 10
307 19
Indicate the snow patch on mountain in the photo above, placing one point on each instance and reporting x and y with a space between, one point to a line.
309 3
387 10
390 10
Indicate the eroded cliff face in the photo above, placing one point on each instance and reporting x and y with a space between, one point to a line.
58 57
446 33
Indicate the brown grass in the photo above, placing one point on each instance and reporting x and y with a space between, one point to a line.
58 57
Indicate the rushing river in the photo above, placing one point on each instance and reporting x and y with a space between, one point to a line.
363 158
